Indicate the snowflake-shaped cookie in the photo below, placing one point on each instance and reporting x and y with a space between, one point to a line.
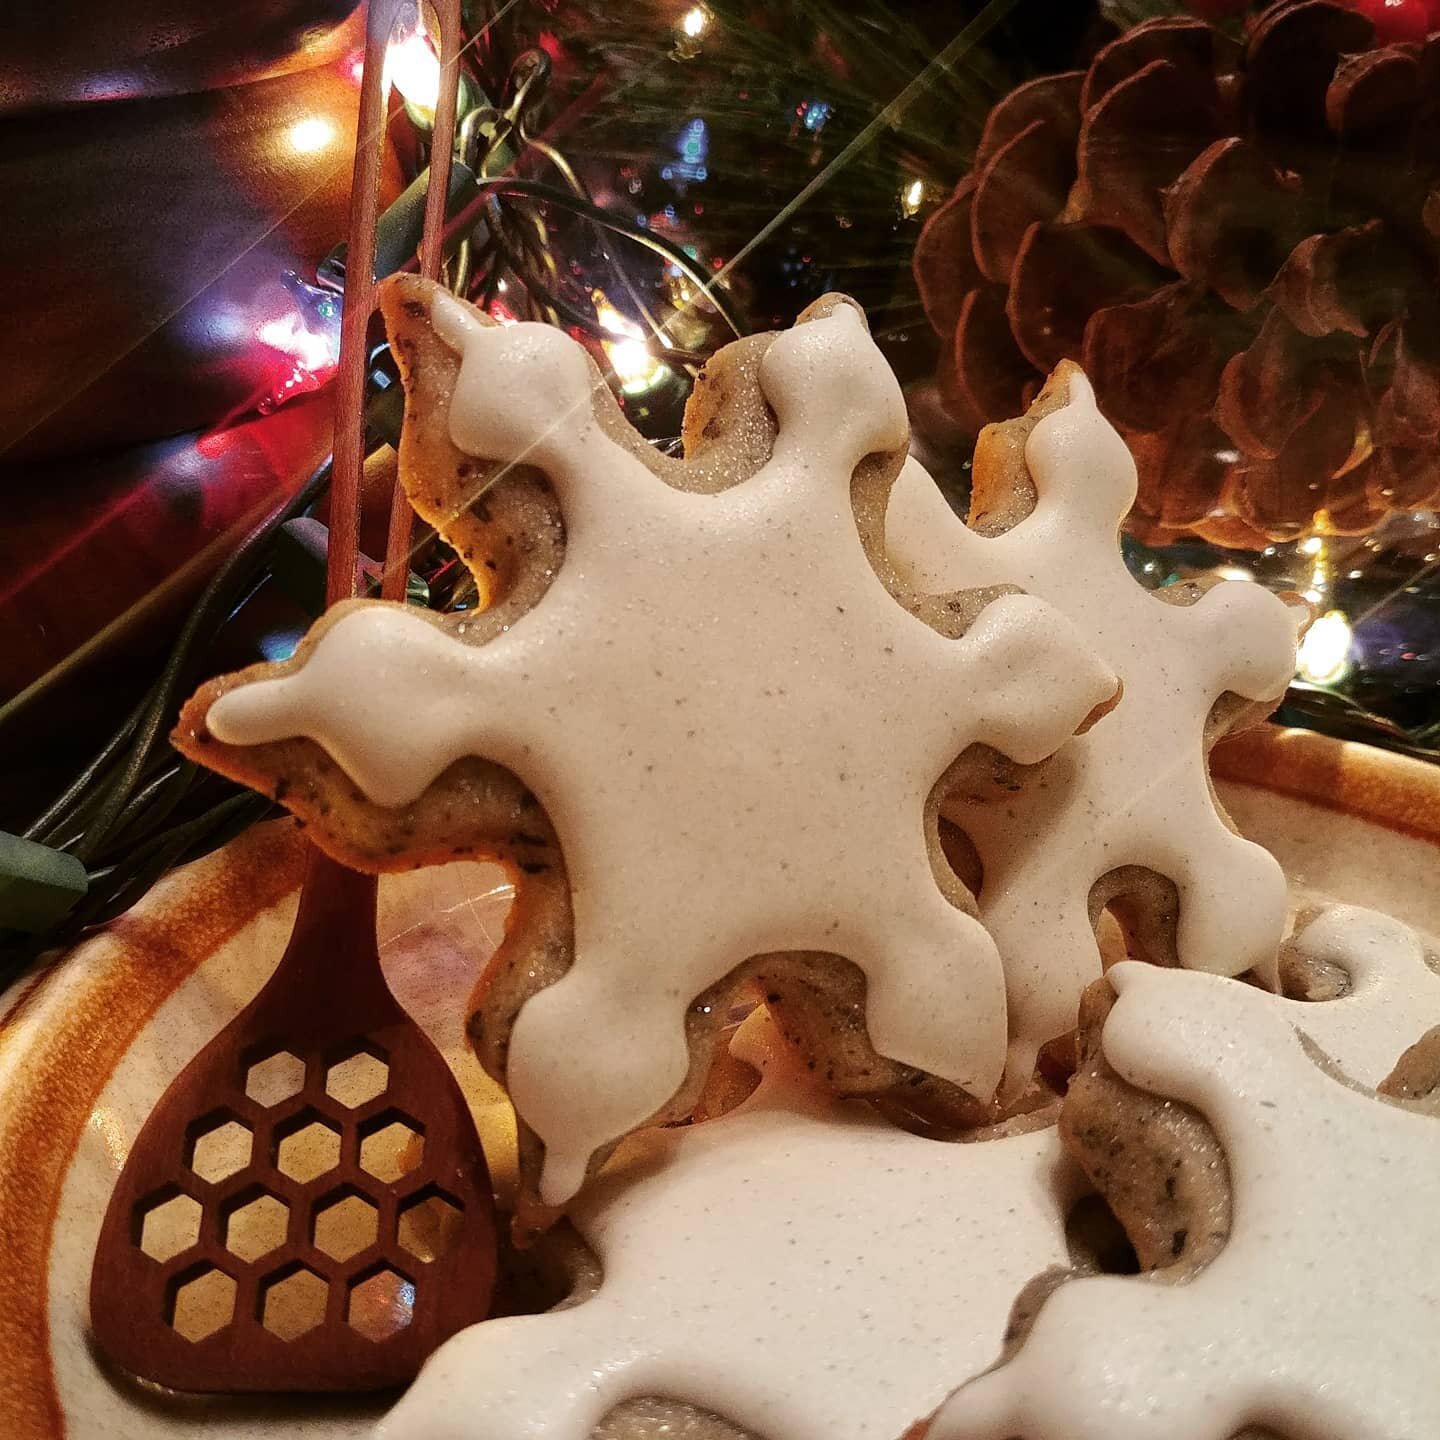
1317 1319
731 723
1134 791
780 1266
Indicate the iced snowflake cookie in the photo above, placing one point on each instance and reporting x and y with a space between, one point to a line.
1127 813
713 735
1283 1209
777 1267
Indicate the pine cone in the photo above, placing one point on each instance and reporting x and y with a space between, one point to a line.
1241 244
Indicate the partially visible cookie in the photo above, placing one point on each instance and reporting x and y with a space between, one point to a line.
1154 1160
1285 1216
1415 1080
778 1267
1358 984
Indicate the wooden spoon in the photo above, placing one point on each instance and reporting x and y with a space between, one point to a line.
308 1206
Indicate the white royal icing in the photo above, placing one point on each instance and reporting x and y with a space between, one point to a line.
1317 1319
1133 790
731 723
798 1266
1394 995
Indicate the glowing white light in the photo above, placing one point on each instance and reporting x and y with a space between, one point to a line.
632 361
308 336
1319 569
413 68
1325 650
694 21
635 367
307 348
308 136
912 196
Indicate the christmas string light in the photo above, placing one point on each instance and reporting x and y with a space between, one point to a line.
1324 657
412 67
638 370
305 337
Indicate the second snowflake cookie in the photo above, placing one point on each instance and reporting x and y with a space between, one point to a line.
1127 813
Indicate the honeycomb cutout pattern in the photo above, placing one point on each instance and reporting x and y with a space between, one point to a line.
307 1147
429 1226
276 1078
380 1304
202 1302
346 1225
304 1196
307 1208
358 1079
169 1225
256 1225
292 1303
221 1147
390 1147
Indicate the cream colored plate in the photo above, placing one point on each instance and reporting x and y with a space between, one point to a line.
87 1047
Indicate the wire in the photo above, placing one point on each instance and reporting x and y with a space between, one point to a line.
113 814
79 789
511 186
110 798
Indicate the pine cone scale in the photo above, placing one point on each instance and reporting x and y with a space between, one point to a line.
1122 186
1321 287
1059 272
1232 221
1052 100
987 373
1162 354
1290 62
1189 44
945 268
1026 182
1373 96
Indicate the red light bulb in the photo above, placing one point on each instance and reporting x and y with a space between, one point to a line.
1399 22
